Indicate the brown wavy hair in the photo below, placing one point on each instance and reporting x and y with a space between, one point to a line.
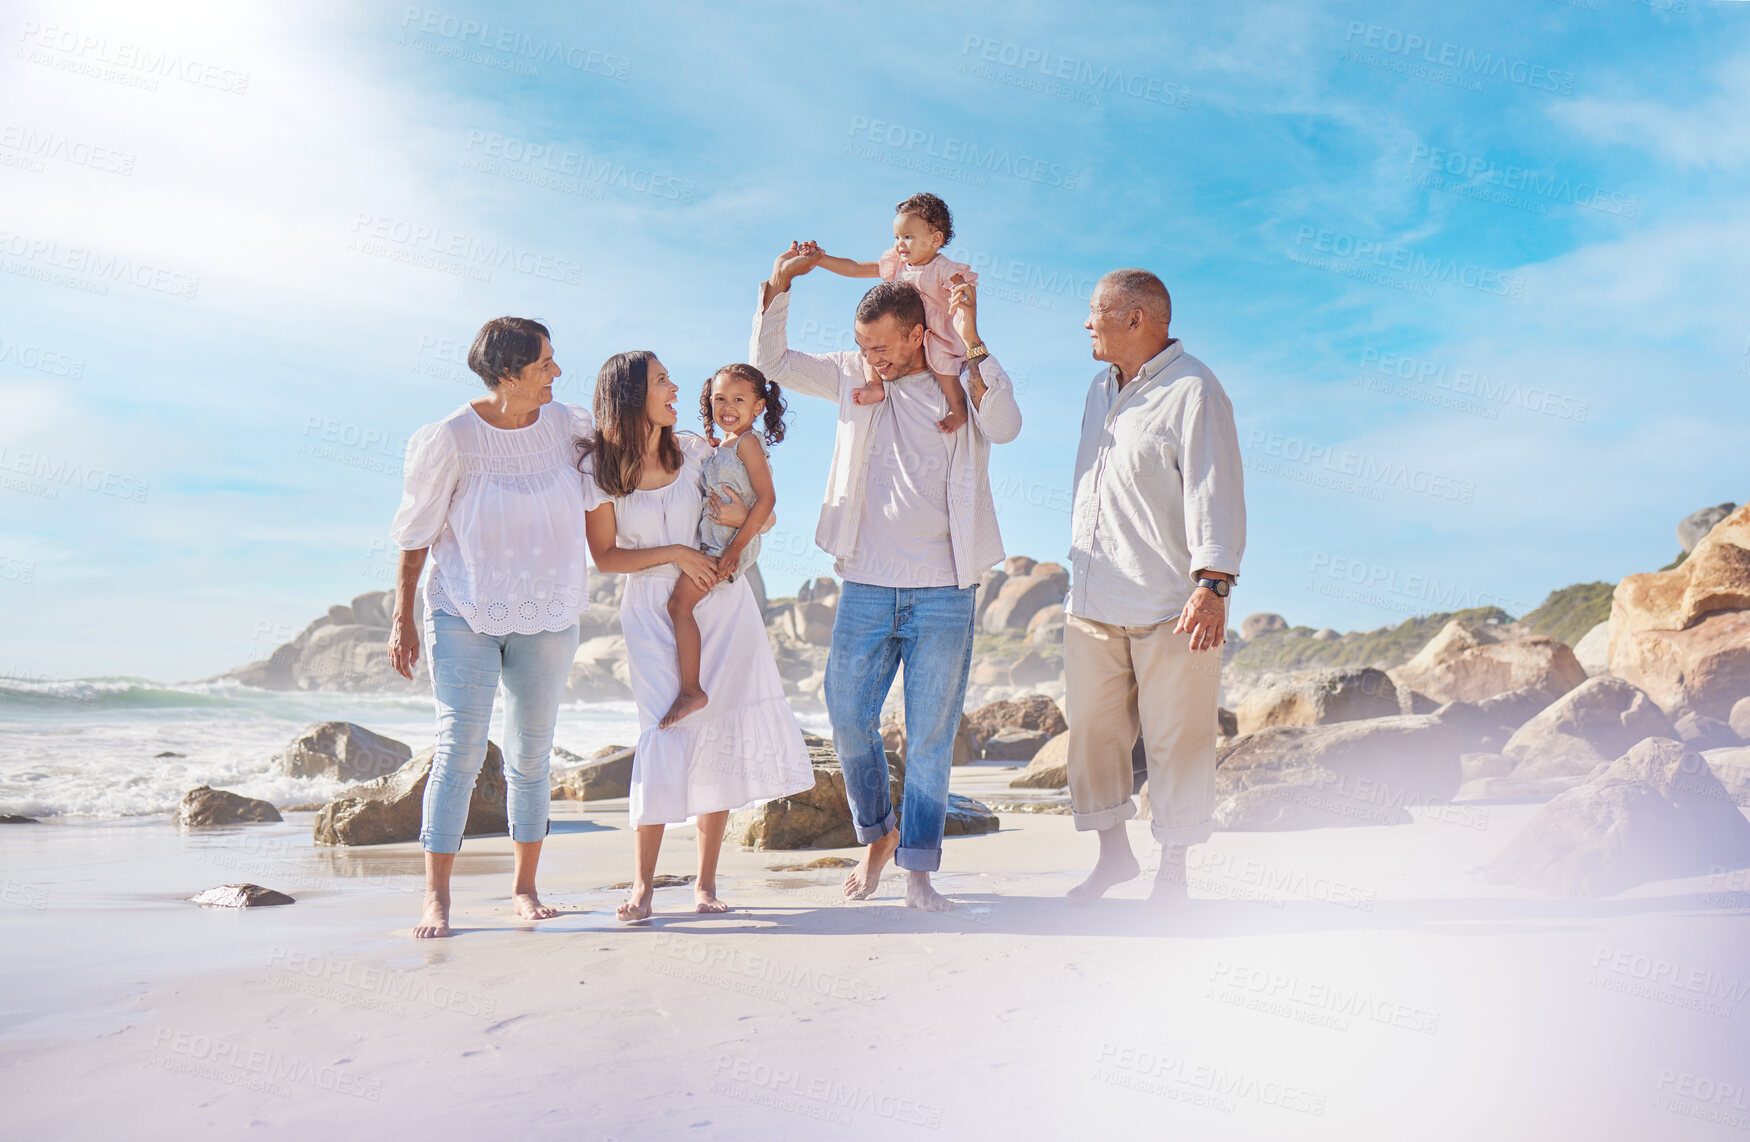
622 430
763 389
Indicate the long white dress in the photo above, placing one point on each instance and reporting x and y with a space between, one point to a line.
744 747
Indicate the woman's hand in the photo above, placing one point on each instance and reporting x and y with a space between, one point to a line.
726 507
697 566
404 644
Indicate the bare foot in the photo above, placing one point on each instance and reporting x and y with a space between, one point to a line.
952 421
528 906
705 899
921 894
869 394
636 906
434 922
1171 894
686 702
862 881
1113 867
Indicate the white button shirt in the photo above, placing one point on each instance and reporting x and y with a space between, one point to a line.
1159 492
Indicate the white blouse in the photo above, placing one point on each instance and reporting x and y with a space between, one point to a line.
502 510
658 517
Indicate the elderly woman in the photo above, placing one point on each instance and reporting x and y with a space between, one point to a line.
494 495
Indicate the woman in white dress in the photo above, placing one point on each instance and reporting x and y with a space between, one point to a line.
644 492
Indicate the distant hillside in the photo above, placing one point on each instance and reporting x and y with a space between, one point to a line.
1570 612
1297 649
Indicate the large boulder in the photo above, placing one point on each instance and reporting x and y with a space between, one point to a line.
820 817
1054 571
1592 652
241 896
600 671
1019 600
1016 566
1346 773
1655 813
342 750
1698 731
1261 623
1318 697
1692 527
1732 767
206 806
1028 712
1683 635
607 774
1467 662
1014 744
1488 724
1049 767
1045 628
966 747
1596 721
1033 668
810 622
990 585
387 810
347 657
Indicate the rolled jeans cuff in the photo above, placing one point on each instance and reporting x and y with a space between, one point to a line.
1183 834
440 843
918 860
1101 819
529 834
869 834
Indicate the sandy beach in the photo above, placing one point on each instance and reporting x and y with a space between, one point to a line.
1341 983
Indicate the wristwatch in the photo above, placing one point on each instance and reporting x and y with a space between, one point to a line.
1219 586
977 352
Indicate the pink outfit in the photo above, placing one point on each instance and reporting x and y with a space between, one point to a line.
943 350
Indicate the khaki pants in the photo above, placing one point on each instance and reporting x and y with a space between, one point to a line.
1119 681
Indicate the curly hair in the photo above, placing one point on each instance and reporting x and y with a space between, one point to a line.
763 389
932 210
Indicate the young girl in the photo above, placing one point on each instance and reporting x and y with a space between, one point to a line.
736 400
921 227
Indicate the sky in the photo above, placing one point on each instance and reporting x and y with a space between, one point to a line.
1474 277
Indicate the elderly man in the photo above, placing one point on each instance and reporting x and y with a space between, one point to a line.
909 517
1159 525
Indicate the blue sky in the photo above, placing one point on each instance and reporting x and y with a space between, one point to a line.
1476 279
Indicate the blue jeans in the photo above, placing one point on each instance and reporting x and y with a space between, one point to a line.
930 630
465 671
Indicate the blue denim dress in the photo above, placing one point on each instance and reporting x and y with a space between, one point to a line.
724 469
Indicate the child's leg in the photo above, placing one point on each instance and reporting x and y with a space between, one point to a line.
871 392
956 402
691 698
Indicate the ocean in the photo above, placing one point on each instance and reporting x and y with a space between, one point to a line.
89 748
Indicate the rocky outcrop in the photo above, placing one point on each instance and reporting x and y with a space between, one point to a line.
206 806
820 817
341 750
1020 598
1486 725
1467 662
1732 767
1596 721
1683 635
966 747
1318 697
1261 623
607 774
387 810
1592 652
1033 668
1030 712
1348 773
1045 629
1048 768
1014 744
241 896
599 671
346 649
1655 813
1697 524
1700 732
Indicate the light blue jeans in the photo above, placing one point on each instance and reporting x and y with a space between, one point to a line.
930 630
466 668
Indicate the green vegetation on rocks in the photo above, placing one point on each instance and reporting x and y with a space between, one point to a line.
1297 649
1570 612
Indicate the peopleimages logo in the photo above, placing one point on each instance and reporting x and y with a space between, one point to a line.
964 152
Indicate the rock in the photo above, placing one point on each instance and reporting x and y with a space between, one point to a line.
1033 668
1261 623
1739 718
1020 599
1056 572
1029 712
1318 697
1700 732
1487 725
811 622
387 810
1705 668
1732 767
966 748
822 589
1714 577
1592 652
1695 525
350 658
206 806
1049 768
1347 773
607 774
600 672
1014 744
989 672
1511 788
343 750
168 753
1016 566
990 584
1227 723
1051 619
372 609
1654 813
1476 766
1326 634
968 817
241 896
1467 662
16 819
1596 721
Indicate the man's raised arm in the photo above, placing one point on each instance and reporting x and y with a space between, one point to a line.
811 374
